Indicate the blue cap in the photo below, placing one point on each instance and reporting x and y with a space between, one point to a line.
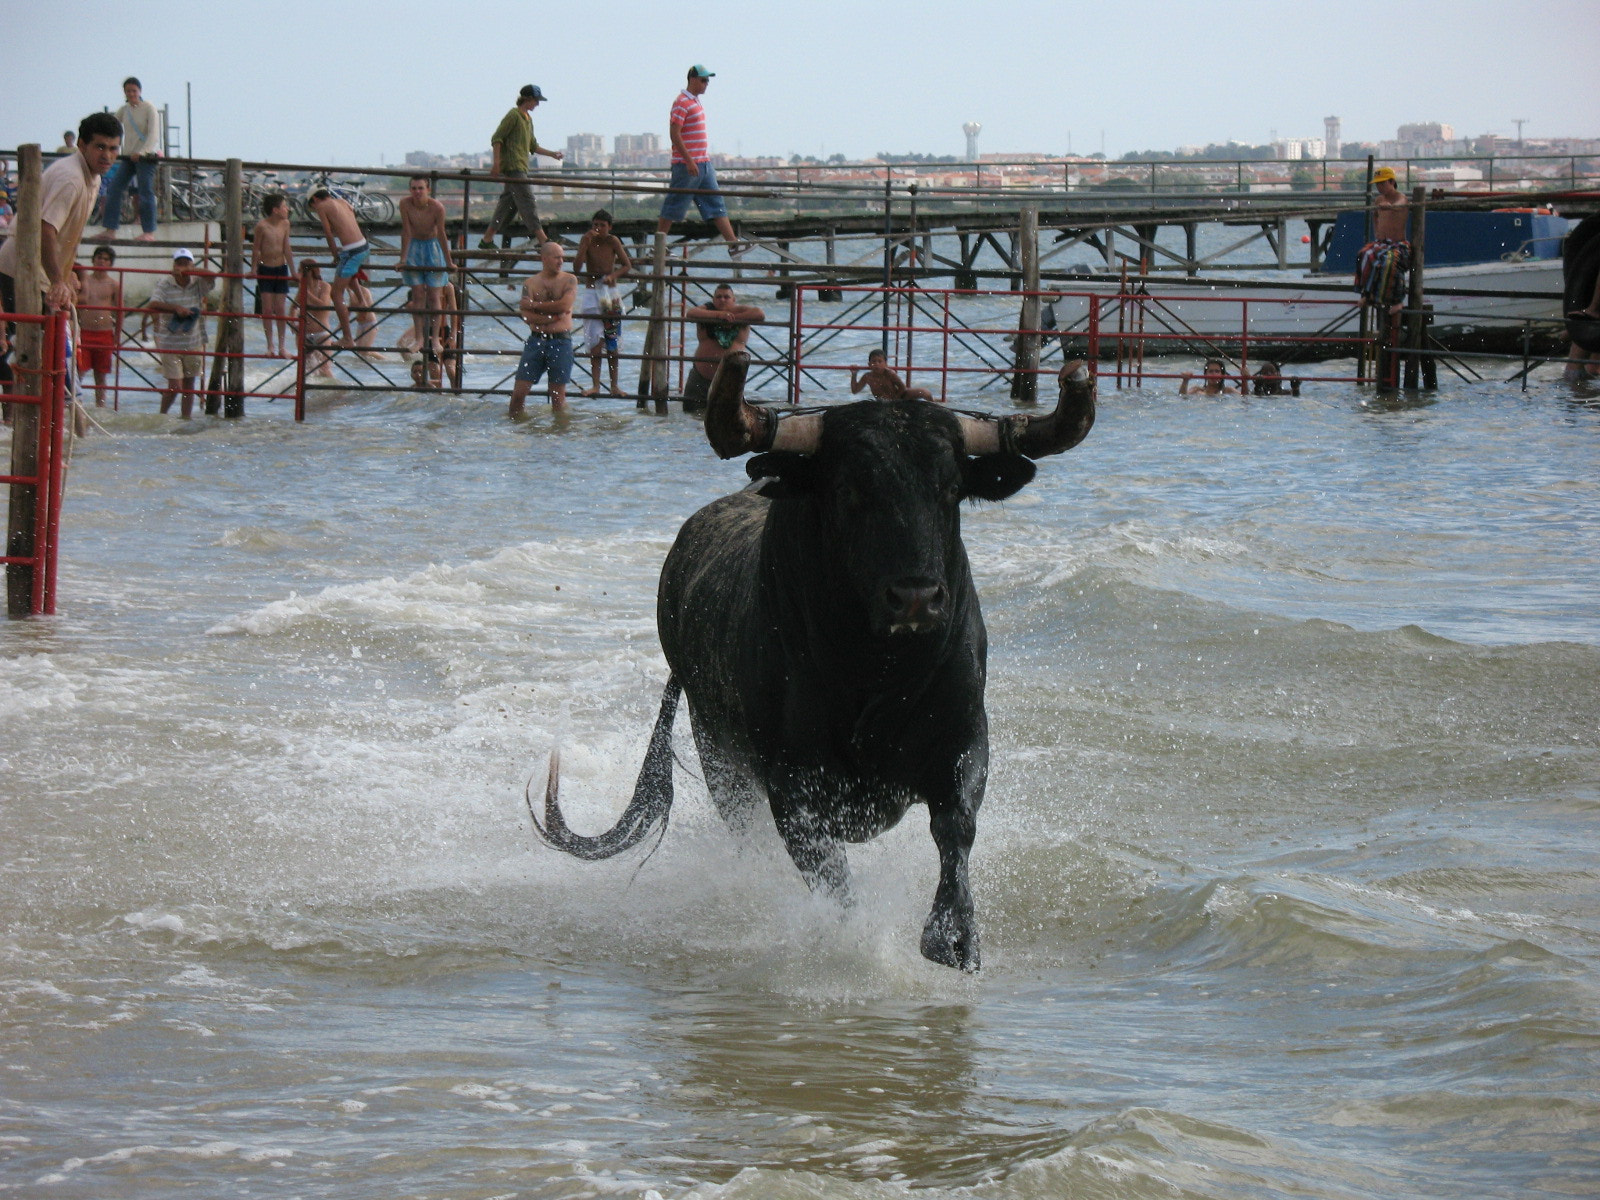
531 91
699 70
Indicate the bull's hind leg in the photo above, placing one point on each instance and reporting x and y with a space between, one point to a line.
729 784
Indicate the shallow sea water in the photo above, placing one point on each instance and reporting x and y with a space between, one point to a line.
1286 875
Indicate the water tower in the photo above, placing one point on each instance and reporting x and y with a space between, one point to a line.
972 129
1330 137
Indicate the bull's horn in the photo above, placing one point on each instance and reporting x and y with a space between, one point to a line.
734 426
1037 437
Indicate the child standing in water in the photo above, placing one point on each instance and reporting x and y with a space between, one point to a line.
99 318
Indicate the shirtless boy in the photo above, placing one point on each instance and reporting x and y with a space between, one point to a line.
349 248
1383 262
601 261
723 325
99 318
546 305
272 263
315 300
885 384
424 262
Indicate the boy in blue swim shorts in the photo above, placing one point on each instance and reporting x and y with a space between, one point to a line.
349 248
546 305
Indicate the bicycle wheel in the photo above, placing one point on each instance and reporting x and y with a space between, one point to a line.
376 208
203 204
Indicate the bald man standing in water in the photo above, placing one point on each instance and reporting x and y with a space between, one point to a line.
546 305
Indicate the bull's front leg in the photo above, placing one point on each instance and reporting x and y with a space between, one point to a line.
950 936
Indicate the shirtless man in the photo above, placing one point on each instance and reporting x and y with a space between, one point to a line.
723 325
424 262
885 384
601 261
546 305
349 251
272 263
1383 262
99 318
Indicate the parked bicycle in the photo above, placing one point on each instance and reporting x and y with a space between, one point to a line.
373 207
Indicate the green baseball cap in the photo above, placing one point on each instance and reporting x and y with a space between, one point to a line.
699 70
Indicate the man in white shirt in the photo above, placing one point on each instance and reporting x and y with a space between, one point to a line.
67 190
181 330
141 148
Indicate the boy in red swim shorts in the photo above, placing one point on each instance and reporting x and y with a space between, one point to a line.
99 318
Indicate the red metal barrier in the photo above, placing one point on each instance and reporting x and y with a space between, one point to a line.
50 395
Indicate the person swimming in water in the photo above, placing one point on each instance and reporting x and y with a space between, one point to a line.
1215 381
885 384
723 325
1269 381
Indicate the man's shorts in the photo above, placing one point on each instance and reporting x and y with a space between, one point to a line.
601 308
676 204
543 352
272 281
181 364
350 260
96 349
428 255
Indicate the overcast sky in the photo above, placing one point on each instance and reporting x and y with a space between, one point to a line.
358 83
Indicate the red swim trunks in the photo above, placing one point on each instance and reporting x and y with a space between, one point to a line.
96 349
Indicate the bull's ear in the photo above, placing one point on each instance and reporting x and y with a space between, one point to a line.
995 476
795 474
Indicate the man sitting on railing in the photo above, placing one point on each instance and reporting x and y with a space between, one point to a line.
1383 262
724 325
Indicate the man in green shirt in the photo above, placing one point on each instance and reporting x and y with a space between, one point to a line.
514 147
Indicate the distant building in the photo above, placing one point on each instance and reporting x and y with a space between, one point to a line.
1295 149
1425 131
586 150
972 129
1330 137
638 150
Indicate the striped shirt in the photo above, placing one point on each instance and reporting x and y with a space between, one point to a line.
690 120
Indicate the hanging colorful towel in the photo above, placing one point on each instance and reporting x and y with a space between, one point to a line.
1381 271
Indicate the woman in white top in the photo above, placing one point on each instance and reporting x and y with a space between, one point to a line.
141 147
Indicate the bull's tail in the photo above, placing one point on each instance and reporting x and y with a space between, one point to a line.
652 795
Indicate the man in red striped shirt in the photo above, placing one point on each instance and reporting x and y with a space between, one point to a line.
691 165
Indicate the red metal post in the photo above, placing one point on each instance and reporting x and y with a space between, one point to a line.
300 358
944 363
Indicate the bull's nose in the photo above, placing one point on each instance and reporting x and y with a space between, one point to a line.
914 602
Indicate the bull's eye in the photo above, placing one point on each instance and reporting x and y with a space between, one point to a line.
953 493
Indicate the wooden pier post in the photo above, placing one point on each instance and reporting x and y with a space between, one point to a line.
28 357
830 295
232 290
1416 315
653 370
1024 383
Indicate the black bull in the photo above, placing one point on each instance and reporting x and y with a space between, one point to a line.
824 626
1580 269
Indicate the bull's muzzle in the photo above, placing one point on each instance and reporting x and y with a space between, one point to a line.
914 605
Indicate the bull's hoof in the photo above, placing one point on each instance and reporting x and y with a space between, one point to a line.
951 941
